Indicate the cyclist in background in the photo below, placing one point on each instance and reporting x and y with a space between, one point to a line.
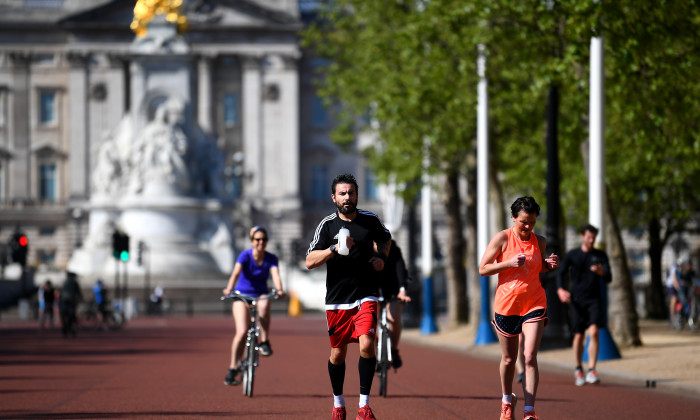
393 283
250 273
100 292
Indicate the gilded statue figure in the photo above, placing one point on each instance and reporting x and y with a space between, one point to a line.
145 10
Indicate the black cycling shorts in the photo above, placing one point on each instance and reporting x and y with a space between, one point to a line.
512 325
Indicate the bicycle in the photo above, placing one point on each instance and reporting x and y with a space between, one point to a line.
252 351
89 318
384 357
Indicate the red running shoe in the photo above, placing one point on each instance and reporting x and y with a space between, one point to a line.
338 413
530 415
365 413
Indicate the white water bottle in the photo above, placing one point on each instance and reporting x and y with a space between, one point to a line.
343 234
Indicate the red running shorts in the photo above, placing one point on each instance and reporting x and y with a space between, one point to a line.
346 326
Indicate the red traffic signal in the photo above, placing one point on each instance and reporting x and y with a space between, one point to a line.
23 241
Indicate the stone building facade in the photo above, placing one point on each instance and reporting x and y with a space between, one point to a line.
65 83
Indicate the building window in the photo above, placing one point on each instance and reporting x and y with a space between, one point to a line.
47 187
49 4
230 109
371 191
319 182
47 107
319 116
2 106
47 257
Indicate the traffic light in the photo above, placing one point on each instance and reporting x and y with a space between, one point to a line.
139 253
124 255
120 246
19 247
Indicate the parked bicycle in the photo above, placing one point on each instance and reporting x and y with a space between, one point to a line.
252 343
384 357
91 318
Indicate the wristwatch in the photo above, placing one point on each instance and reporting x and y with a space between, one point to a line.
333 249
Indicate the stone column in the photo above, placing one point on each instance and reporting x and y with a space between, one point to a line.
204 95
20 117
253 126
79 122
282 160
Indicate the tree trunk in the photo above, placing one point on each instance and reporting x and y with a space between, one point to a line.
457 306
655 302
472 257
624 320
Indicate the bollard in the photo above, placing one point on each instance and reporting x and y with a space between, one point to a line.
294 310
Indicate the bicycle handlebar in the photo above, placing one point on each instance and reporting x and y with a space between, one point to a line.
240 296
392 298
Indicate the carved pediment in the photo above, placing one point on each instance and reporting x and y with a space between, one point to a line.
201 14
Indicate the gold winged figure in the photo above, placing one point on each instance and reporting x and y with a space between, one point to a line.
145 10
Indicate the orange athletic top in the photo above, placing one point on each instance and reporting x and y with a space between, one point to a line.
519 290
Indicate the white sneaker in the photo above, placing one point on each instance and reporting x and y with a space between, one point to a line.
592 377
580 380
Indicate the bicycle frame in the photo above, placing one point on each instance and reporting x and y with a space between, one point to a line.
252 350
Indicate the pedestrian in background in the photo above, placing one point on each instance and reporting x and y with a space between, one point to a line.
393 284
71 295
352 287
585 266
672 286
46 296
517 255
249 277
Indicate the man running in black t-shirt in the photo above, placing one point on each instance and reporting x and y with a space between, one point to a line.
585 266
351 287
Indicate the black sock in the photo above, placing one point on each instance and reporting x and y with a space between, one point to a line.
337 374
366 368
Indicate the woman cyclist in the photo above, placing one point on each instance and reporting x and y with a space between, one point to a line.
250 273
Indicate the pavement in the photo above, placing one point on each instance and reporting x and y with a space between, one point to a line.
668 360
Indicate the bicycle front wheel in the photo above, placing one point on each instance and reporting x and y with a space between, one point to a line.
383 361
249 369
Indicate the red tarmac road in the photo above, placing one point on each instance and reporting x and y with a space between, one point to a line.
174 368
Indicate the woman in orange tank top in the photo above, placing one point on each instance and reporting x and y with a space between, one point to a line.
520 305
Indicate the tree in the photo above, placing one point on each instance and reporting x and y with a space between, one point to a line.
409 66
653 133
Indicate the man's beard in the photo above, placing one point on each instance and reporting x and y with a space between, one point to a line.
349 210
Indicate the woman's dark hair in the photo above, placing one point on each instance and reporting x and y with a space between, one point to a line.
526 204
344 179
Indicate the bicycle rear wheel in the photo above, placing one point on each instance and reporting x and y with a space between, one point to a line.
88 320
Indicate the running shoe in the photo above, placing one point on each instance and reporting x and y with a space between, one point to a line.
338 413
580 380
231 377
265 349
520 377
396 361
530 415
507 409
365 413
592 377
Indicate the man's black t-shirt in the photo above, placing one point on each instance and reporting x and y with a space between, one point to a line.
350 278
585 284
